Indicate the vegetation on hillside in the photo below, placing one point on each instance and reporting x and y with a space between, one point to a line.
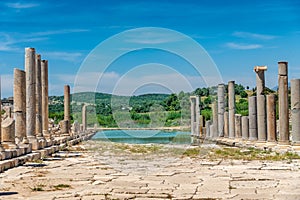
148 110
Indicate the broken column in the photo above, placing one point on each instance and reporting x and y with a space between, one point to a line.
271 118
30 96
38 97
20 105
215 120
238 126
231 108
283 103
207 126
8 133
261 103
195 113
252 118
226 124
84 117
245 127
221 109
45 109
295 109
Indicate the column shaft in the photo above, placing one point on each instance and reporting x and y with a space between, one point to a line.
30 92
215 120
283 103
271 118
245 127
221 109
226 124
238 126
231 108
45 108
252 118
261 118
20 104
38 96
295 108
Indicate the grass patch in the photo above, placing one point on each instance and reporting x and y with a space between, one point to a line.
61 186
37 188
139 148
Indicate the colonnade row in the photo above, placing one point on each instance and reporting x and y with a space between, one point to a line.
26 125
260 125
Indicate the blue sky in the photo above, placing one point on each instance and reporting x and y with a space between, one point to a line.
237 35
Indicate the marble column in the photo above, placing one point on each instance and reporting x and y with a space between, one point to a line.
252 118
84 117
38 97
30 93
231 108
67 117
271 118
226 124
295 109
195 114
214 133
67 103
245 127
201 125
238 126
283 103
8 133
221 109
261 118
45 108
20 105
207 125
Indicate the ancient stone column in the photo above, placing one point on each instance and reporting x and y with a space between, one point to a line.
221 109
201 125
84 117
260 79
207 125
214 133
245 127
30 92
271 118
20 105
1 147
261 118
238 126
45 108
261 102
252 118
226 124
38 97
295 109
231 108
283 103
67 103
195 113
8 133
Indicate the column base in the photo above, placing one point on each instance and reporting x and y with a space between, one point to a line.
9 145
34 141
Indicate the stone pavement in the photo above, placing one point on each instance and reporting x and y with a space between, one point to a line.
108 173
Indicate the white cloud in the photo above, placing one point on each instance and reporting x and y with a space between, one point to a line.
253 35
233 45
57 32
148 37
21 5
60 55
